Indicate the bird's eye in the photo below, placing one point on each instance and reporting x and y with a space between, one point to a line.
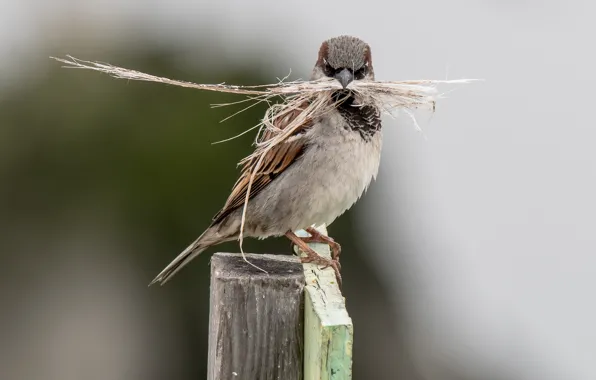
360 73
328 69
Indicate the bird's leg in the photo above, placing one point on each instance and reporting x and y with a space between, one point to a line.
317 237
312 256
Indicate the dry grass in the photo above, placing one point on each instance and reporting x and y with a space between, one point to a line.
388 96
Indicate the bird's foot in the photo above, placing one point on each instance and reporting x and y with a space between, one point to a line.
317 237
325 262
313 257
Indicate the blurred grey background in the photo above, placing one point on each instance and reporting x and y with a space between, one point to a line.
472 257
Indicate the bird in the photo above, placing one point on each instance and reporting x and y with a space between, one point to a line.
313 176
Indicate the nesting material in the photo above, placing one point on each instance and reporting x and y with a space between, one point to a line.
389 96
311 98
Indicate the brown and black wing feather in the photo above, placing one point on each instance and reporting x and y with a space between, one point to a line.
276 160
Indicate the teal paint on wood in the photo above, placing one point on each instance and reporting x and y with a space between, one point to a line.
328 329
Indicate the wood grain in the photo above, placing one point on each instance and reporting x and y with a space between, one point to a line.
256 325
328 329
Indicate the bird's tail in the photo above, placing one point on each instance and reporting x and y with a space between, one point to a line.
206 240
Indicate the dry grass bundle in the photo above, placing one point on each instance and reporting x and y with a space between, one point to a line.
388 96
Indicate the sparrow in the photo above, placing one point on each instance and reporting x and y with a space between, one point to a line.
312 177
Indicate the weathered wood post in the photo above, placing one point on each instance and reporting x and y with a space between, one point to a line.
328 330
287 324
256 324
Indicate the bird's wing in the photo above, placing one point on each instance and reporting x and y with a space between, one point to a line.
278 159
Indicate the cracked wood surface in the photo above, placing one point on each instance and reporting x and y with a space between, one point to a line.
328 329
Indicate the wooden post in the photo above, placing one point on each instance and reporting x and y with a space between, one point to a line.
287 324
328 329
256 319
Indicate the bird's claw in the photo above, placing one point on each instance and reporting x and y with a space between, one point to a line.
324 263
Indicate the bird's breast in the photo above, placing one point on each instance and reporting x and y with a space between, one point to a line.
333 172
342 165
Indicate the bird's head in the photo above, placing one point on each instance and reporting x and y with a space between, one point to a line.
344 58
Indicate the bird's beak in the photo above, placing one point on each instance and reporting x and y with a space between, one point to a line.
344 77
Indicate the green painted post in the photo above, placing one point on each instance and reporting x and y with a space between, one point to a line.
328 329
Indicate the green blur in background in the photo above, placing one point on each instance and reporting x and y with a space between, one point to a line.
105 181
